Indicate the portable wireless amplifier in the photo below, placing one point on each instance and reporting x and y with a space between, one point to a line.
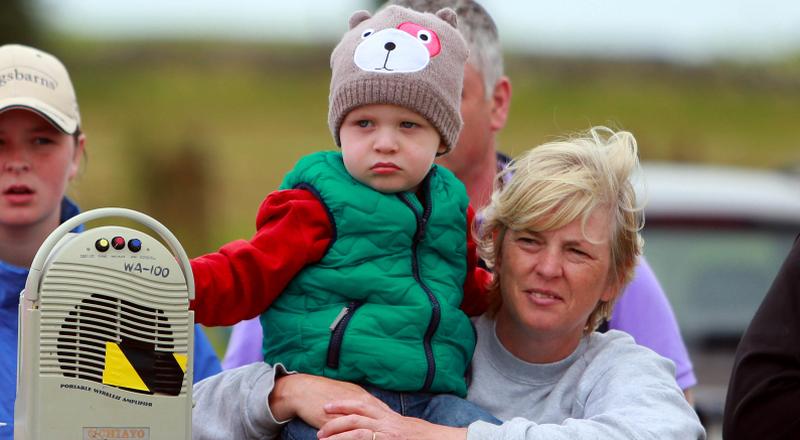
106 335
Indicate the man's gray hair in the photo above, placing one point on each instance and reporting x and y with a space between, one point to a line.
478 28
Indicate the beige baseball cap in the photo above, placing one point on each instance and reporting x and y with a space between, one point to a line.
35 80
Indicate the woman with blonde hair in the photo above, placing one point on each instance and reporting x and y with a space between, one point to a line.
562 236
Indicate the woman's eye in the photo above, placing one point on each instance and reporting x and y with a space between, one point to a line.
527 241
578 252
408 124
363 123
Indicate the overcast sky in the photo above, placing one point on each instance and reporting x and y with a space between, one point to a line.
685 30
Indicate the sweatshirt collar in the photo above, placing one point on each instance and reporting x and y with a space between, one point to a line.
517 369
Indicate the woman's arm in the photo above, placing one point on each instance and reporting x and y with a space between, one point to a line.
628 392
233 404
305 396
254 401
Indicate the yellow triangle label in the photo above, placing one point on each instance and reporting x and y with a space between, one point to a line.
119 372
181 358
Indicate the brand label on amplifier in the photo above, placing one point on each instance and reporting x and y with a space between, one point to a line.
103 433
156 271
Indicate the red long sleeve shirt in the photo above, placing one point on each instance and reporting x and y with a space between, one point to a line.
293 230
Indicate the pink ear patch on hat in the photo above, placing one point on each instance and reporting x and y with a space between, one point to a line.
426 36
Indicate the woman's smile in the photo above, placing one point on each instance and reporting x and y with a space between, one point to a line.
544 298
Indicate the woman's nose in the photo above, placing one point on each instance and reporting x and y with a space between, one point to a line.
549 264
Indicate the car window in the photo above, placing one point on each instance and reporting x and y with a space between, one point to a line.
715 277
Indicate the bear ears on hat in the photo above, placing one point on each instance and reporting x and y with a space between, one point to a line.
446 14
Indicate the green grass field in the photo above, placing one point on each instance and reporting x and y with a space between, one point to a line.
196 134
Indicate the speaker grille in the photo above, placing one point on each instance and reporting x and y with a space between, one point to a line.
85 307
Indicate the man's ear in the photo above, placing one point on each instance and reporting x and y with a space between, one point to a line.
501 103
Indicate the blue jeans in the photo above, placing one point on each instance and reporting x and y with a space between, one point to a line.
441 409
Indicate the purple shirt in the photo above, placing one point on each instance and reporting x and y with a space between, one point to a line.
642 311
244 346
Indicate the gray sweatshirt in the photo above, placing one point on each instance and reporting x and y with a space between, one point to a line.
609 388
232 405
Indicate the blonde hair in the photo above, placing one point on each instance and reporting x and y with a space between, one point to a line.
551 185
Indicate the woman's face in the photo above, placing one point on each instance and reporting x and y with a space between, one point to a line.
551 281
37 163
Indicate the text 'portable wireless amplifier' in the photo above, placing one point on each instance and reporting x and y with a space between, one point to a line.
106 335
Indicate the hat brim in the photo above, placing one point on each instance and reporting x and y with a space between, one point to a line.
55 117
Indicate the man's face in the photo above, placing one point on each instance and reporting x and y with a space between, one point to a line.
477 134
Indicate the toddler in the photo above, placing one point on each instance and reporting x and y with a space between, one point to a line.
362 263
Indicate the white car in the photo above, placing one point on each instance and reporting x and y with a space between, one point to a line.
716 237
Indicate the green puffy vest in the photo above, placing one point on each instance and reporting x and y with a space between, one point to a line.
382 306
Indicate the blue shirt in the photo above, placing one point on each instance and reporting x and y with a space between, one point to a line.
12 281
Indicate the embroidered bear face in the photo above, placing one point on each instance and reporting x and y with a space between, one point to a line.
407 48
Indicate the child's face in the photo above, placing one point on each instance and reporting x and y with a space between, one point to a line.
37 163
387 147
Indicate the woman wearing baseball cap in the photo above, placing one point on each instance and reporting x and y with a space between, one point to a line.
41 145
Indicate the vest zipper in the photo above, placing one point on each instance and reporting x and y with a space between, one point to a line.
337 333
433 324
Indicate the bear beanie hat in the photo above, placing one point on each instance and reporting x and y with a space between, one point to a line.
402 57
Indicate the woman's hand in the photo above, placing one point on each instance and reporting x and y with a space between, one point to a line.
304 395
360 420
